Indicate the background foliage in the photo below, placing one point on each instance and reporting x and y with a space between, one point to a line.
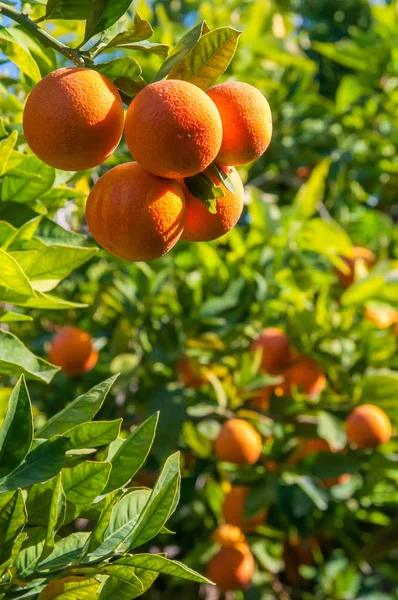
329 70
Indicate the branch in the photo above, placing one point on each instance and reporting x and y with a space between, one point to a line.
41 35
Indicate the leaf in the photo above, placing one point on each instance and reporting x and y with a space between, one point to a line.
230 299
16 360
82 483
6 147
18 541
203 188
39 500
103 14
331 429
208 59
43 301
66 551
326 238
161 564
380 388
12 275
94 434
310 194
29 556
308 487
17 52
47 266
161 504
181 49
123 574
140 31
50 232
68 9
83 409
40 176
125 73
70 588
98 533
13 317
42 463
114 588
16 433
12 520
362 290
340 54
146 47
222 176
132 454
56 515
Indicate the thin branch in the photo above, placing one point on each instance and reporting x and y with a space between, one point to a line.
41 35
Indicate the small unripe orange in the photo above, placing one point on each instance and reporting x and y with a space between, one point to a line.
359 254
73 351
233 509
239 443
173 129
73 119
135 215
276 354
203 226
228 535
368 426
246 121
232 568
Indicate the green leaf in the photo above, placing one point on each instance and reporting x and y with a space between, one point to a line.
146 47
12 520
380 388
181 49
16 433
98 533
161 564
12 275
230 299
308 487
13 317
222 176
39 500
161 504
40 176
326 238
363 289
124 574
43 301
203 188
331 429
68 9
50 232
66 551
310 194
18 541
83 409
6 147
140 31
71 588
16 51
56 515
208 59
125 73
29 556
16 360
82 483
114 588
94 434
131 454
340 54
103 14
47 266
41 464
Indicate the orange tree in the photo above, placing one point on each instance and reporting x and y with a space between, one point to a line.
314 501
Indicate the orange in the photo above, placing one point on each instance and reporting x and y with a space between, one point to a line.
173 129
73 351
246 121
239 443
368 426
135 215
228 535
262 400
73 119
308 446
297 552
189 372
233 509
382 317
200 224
359 255
304 374
232 568
275 347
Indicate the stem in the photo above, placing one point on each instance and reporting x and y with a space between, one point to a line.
41 35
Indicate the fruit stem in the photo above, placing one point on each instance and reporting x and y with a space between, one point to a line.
41 35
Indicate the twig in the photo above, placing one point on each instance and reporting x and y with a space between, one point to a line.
41 35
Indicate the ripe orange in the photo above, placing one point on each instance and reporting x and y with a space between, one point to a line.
275 347
233 509
173 129
308 446
72 350
200 224
239 443
135 215
232 568
297 552
228 535
189 372
368 426
73 119
246 121
262 400
360 255
382 317
304 374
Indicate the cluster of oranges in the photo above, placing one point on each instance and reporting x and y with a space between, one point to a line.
74 120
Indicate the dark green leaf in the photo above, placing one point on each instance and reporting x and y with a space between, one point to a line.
16 433
16 360
82 483
12 520
103 14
